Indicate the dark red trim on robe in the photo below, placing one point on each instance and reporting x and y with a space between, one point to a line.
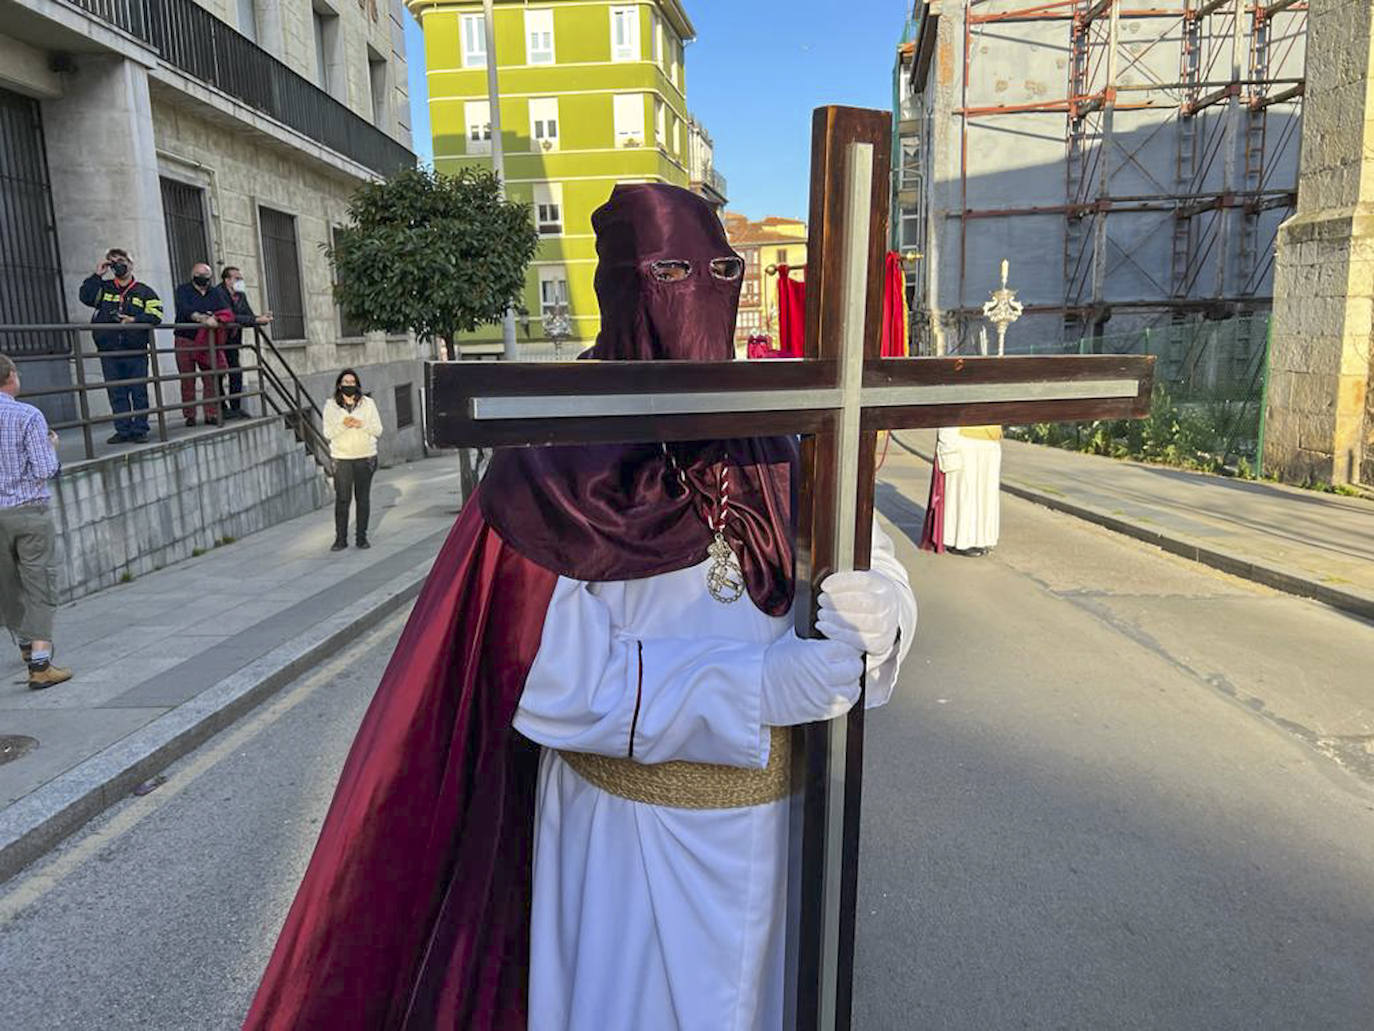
414 912
933 529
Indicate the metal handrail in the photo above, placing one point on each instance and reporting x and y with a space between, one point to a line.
292 400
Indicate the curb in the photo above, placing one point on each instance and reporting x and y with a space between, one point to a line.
1280 579
41 819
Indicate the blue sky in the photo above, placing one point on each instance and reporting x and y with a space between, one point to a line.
753 78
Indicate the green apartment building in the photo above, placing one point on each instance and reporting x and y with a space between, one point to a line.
592 94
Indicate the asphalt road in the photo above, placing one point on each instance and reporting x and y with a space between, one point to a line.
1115 790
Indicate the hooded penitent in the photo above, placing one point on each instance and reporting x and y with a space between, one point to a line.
414 911
668 284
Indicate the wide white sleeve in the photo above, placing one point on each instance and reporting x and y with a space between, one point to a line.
594 688
372 421
333 419
881 675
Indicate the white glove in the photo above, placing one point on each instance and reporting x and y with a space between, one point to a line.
805 681
860 609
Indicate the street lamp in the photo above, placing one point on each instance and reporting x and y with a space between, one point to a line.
558 327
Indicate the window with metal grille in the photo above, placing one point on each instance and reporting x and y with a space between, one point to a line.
282 272
183 216
405 407
30 275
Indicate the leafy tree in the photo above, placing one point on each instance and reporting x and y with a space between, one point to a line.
437 254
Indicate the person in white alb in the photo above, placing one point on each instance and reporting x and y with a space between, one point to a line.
352 425
963 514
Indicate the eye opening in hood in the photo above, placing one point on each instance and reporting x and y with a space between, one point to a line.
670 270
730 268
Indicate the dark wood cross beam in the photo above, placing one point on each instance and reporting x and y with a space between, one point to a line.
837 398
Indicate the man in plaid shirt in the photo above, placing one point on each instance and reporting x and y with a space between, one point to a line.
28 575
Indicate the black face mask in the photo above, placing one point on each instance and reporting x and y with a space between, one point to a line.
349 391
201 281
119 268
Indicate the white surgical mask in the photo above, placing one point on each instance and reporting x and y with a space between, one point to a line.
238 286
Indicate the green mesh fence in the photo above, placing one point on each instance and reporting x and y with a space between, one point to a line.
1208 406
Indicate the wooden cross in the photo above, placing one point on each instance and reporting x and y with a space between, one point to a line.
837 398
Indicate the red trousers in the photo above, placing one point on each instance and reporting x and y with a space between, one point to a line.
190 357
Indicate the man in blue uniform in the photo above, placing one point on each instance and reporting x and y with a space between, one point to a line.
120 299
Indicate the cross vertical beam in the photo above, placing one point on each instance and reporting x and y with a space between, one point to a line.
848 226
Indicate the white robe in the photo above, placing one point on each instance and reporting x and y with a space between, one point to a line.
647 918
973 478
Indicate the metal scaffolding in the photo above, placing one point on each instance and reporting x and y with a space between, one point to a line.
1174 185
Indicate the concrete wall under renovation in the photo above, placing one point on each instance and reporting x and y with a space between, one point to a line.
1133 213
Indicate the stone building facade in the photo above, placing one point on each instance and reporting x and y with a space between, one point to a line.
1320 408
229 131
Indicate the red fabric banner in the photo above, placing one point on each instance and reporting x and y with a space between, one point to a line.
792 313
894 307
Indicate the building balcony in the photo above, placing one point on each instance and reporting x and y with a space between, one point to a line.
711 185
192 40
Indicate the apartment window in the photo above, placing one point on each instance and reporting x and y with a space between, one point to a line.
910 168
539 36
660 115
282 273
326 23
553 290
548 208
677 136
909 228
675 56
477 115
379 83
624 33
248 19
629 119
782 255
183 215
544 123
655 37
474 41
349 329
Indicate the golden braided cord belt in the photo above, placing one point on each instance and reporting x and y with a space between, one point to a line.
688 785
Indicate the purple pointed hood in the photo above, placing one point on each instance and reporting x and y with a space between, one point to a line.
668 285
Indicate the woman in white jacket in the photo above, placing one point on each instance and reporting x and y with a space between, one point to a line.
352 425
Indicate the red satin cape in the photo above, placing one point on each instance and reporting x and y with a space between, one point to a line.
414 911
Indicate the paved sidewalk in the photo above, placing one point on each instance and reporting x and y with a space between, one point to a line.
164 662
1299 541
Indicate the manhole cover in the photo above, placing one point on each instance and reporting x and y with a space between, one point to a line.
13 746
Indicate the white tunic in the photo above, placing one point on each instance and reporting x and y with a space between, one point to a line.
646 917
973 478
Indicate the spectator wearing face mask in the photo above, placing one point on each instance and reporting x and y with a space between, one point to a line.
232 293
120 299
352 425
197 302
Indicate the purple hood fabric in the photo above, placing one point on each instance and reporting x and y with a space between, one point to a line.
619 512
